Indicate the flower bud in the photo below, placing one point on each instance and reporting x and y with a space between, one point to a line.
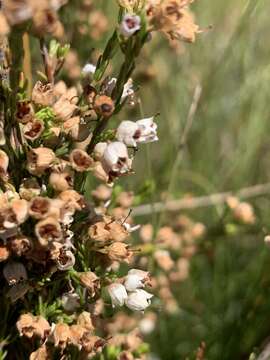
138 300
118 294
80 160
104 106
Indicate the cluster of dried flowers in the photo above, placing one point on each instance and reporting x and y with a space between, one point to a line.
61 247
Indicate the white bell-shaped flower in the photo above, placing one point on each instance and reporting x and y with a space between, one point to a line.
118 294
138 300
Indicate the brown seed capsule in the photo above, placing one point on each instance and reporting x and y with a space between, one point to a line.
104 105
42 94
80 160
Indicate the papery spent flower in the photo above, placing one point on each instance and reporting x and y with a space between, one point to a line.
115 159
88 69
29 326
136 279
80 160
129 25
118 294
39 207
29 188
66 260
61 335
25 112
33 130
64 108
118 251
128 90
138 300
4 161
61 181
39 160
48 230
14 272
90 281
43 94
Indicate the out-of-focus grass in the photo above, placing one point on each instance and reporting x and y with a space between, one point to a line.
226 302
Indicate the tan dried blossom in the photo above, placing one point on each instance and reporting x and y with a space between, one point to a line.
29 188
39 207
244 212
61 335
41 353
117 231
46 22
90 281
64 108
48 230
66 260
72 64
146 233
29 325
4 161
25 112
33 129
100 173
102 193
125 199
80 160
76 334
99 232
43 94
92 344
19 208
173 18
39 160
104 105
4 253
85 320
118 251
14 272
19 245
4 27
73 200
98 23
61 181
164 260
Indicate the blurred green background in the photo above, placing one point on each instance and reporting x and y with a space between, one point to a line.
226 301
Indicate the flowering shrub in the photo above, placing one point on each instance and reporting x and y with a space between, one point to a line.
60 252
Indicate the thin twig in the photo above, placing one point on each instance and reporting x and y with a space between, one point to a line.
201 201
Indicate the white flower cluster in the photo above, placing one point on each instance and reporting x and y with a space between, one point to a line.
131 293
